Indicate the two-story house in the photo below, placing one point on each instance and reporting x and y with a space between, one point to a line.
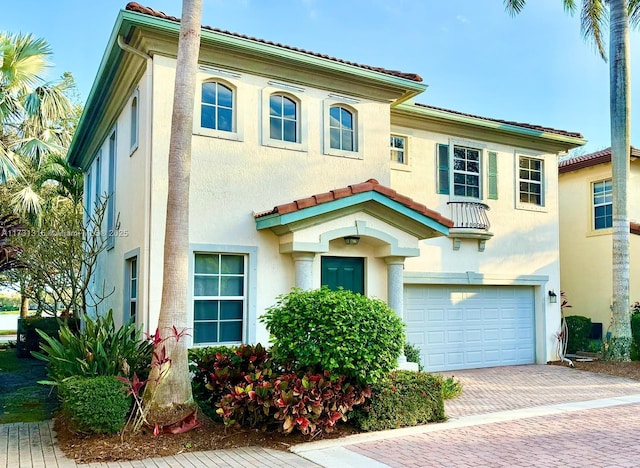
308 170
586 244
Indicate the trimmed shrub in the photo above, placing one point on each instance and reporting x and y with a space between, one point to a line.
635 334
217 370
95 405
402 399
28 338
98 349
578 328
341 332
412 353
451 387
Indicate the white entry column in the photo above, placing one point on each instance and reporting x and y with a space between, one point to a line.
304 269
395 295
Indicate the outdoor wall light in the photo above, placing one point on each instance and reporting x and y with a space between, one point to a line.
351 240
553 298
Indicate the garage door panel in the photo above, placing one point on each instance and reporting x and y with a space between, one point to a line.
462 327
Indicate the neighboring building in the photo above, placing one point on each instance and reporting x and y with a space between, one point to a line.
309 170
586 245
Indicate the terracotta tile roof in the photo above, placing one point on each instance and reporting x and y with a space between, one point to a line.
371 185
591 159
634 228
508 122
136 7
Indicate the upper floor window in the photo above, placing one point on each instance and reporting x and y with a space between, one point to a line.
111 191
466 172
216 110
602 205
283 118
530 180
134 122
342 129
398 146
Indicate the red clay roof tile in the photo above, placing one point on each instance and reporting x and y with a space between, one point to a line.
634 228
508 122
136 7
371 185
591 159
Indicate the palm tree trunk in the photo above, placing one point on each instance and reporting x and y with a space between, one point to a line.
170 399
620 344
24 306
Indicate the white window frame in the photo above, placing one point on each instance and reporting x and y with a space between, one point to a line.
112 149
404 151
301 143
228 79
129 259
357 127
135 122
543 182
594 206
98 177
452 171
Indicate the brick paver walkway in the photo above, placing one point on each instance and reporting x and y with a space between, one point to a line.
605 437
515 387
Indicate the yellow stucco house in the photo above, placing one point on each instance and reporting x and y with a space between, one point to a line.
586 234
309 170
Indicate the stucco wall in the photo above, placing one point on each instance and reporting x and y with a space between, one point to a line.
586 254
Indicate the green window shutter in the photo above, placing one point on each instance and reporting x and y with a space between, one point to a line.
443 169
493 175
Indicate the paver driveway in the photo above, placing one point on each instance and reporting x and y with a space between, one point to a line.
544 416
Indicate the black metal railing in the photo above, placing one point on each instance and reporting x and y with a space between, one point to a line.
470 215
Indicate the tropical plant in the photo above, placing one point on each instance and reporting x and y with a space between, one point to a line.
594 18
98 349
341 332
170 400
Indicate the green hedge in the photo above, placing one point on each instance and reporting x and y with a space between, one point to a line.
635 333
402 399
29 340
579 329
95 405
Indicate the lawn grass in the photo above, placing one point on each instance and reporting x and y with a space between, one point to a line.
7 332
10 312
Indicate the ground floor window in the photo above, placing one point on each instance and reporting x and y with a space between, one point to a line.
219 294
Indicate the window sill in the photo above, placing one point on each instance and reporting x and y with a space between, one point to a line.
600 232
285 145
233 136
400 167
531 207
343 154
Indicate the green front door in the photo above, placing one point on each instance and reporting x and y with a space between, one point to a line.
345 272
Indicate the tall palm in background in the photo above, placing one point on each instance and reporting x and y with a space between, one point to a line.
594 19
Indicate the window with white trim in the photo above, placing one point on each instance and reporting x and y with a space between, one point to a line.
530 181
342 129
216 108
135 117
398 146
111 191
283 118
602 204
220 297
466 172
132 287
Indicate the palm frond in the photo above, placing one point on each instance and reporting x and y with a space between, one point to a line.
514 7
594 20
27 202
569 6
634 13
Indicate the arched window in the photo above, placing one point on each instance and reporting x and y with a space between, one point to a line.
342 129
283 118
134 122
217 107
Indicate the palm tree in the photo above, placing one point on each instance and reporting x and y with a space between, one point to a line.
594 19
170 399
33 113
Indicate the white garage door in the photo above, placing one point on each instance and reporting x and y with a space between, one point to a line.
466 327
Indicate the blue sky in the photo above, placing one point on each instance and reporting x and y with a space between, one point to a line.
477 59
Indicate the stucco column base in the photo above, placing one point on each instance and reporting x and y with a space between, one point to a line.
304 269
410 366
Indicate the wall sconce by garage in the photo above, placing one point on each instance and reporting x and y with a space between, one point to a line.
351 240
553 298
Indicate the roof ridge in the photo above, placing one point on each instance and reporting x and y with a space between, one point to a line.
136 7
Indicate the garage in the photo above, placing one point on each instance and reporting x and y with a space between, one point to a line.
467 327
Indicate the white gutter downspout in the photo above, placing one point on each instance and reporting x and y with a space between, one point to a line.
146 249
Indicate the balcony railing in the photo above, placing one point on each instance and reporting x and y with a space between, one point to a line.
470 215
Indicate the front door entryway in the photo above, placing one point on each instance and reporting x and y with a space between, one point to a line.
345 272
